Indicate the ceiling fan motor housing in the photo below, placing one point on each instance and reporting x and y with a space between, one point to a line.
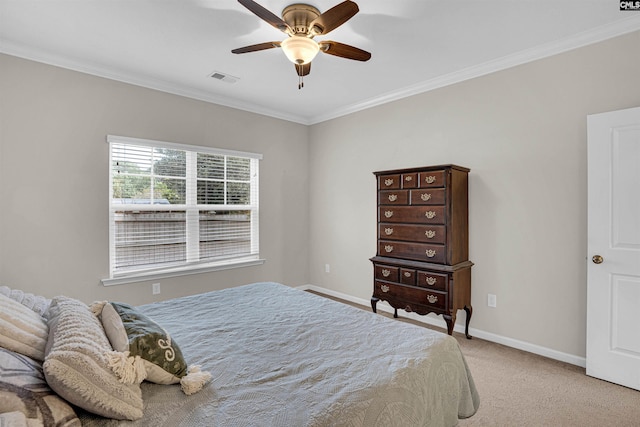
299 16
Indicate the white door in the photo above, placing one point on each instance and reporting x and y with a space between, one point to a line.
613 259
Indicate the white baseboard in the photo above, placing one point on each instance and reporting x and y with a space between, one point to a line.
439 322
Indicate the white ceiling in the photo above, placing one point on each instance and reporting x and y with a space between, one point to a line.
416 45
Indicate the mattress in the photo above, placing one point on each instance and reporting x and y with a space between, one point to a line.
280 356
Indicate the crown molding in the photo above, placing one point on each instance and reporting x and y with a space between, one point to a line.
618 28
586 38
39 55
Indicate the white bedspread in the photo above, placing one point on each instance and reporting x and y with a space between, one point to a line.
285 357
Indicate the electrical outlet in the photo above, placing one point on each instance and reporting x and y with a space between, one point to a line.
155 288
491 300
327 268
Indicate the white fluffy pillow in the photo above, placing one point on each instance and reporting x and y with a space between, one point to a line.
22 330
37 303
76 363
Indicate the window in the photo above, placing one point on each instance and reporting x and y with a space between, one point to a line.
177 209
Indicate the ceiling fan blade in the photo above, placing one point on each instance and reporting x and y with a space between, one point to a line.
266 15
344 50
256 47
303 70
333 18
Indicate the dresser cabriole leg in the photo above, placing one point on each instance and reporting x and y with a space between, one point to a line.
374 302
469 311
451 320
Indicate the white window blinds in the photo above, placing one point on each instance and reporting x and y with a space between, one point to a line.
175 207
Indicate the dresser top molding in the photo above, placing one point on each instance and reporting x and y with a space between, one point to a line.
422 169
421 265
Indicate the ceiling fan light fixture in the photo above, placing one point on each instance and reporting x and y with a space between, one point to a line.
300 49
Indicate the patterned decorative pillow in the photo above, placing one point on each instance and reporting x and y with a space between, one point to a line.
22 330
25 397
76 364
145 350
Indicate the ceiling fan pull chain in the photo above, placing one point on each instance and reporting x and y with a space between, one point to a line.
300 82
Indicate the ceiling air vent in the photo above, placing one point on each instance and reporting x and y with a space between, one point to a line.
224 77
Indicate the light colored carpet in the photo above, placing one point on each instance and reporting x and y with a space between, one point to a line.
523 389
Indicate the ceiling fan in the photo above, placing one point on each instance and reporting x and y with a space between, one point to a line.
302 22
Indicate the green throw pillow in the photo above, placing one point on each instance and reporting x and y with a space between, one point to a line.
129 330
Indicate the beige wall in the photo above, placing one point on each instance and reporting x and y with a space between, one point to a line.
522 132
54 180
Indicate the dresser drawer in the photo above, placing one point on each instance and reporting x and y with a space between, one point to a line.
385 290
410 180
435 196
400 294
412 214
415 251
407 276
430 280
434 299
393 197
385 272
432 179
412 233
388 182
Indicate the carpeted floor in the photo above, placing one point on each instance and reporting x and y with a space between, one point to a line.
523 389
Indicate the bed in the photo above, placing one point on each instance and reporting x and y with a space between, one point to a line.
279 356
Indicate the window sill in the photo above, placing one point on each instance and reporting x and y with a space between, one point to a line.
181 271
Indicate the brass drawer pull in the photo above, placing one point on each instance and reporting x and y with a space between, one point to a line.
430 214
393 197
430 253
425 196
388 248
388 231
407 274
384 288
388 182
430 179
388 214
386 272
408 178
430 234
432 299
431 281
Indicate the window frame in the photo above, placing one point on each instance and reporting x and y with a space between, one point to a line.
190 207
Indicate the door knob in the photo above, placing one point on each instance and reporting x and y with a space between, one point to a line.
597 259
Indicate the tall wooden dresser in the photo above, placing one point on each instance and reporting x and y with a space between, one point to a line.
422 260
